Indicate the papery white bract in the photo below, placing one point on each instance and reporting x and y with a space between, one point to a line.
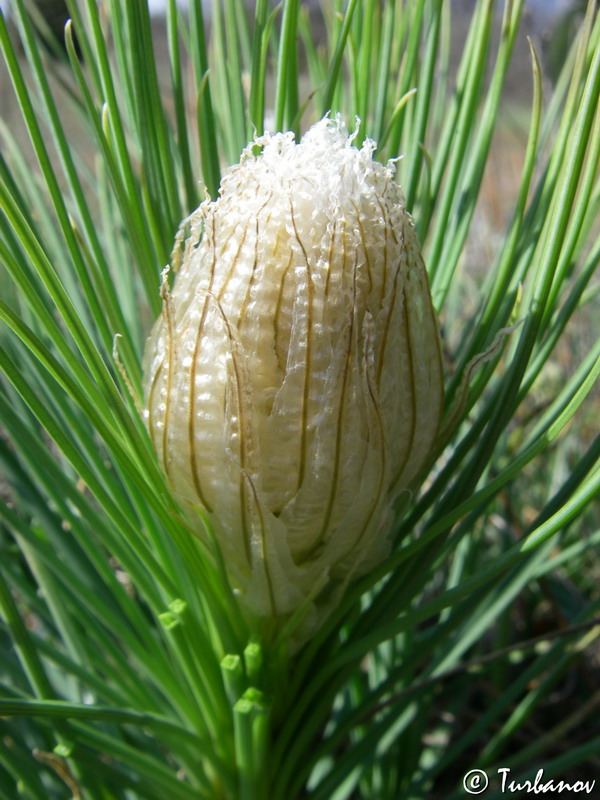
294 380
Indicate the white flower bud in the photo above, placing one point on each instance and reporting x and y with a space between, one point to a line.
294 380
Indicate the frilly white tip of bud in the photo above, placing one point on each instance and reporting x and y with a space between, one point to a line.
294 382
325 151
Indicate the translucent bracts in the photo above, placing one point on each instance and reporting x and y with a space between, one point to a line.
294 379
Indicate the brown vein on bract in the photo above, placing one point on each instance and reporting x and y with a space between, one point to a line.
263 540
434 324
306 390
386 229
244 305
167 309
338 444
388 324
330 258
433 329
234 260
413 399
241 433
339 433
364 242
381 487
422 287
192 381
278 307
